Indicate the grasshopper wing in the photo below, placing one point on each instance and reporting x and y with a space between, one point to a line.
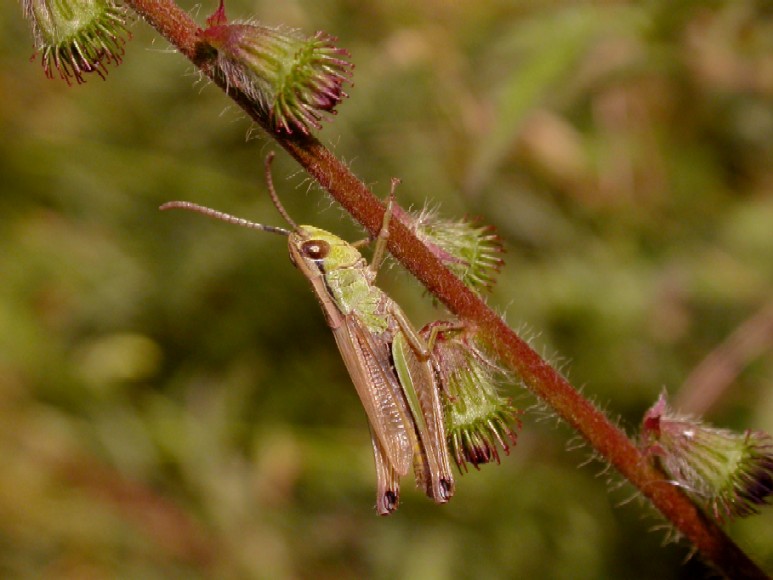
387 479
367 359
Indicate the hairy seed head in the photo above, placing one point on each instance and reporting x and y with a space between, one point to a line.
729 473
75 37
296 81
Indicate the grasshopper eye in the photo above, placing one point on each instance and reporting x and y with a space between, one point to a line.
315 249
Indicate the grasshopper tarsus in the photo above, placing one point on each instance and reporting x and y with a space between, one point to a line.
395 182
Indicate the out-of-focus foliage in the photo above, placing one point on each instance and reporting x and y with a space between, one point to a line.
171 403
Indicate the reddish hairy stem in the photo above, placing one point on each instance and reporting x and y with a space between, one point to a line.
609 441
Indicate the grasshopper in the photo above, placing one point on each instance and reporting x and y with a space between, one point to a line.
389 362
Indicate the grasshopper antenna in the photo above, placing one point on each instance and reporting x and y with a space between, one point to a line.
213 213
274 196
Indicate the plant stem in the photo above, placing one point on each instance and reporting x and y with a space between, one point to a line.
610 443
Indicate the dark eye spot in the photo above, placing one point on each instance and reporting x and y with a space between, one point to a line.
315 249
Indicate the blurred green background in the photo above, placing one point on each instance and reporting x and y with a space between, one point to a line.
171 401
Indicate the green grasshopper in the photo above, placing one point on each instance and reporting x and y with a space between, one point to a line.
389 363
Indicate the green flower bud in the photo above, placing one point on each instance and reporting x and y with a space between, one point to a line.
471 251
75 37
478 418
730 474
294 80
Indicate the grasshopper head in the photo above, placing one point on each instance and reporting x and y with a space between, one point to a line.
315 251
